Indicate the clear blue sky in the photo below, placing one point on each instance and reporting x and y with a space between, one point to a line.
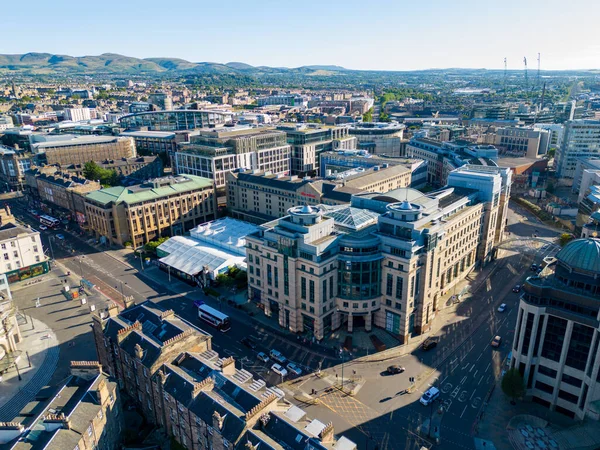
365 34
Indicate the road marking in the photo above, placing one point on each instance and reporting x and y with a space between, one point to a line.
480 355
455 392
480 380
444 379
472 367
463 380
488 366
475 374
468 364
463 413
474 390
463 397
446 388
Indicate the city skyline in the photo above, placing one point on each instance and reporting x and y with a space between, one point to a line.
394 36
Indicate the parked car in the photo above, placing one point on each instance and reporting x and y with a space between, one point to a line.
502 307
43 227
60 237
277 356
496 341
517 288
394 369
293 368
533 267
263 357
279 370
430 395
429 343
248 343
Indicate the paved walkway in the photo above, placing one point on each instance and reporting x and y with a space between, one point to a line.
35 371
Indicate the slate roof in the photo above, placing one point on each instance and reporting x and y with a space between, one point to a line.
11 231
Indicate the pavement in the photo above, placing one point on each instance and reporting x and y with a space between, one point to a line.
34 367
463 366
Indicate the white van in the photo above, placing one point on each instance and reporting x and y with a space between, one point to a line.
430 395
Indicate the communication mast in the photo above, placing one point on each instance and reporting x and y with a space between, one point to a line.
526 78
505 75
538 72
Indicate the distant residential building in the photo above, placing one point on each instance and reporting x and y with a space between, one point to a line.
77 114
13 165
160 207
5 122
164 102
380 138
58 192
22 253
581 140
82 149
342 160
521 141
389 260
444 157
85 412
214 153
258 196
174 120
201 400
587 174
308 141
557 336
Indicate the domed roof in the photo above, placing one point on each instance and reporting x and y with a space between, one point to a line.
582 254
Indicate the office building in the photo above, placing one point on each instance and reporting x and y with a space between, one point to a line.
13 165
22 253
581 141
521 141
214 153
82 149
308 141
258 196
5 122
444 157
591 229
163 102
587 174
139 168
180 384
380 138
283 99
389 260
155 142
556 132
342 160
557 336
58 193
84 412
174 120
159 207
77 114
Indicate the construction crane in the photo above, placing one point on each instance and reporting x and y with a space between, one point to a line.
505 75
526 78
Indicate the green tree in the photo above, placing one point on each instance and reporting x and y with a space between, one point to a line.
368 116
565 238
151 246
550 153
513 385
106 177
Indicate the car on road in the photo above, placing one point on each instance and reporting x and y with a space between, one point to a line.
247 342
263 357
502 307
294 368
496 341
517 288
394 369
430 395
533 267
429 343
277 356
60 237
43 227
279 370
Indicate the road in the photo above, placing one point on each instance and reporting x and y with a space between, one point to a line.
116 280
464 366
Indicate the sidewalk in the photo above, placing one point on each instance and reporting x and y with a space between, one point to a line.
36 365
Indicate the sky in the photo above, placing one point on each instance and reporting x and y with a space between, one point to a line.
366 34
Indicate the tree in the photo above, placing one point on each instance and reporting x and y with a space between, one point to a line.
368 116
513 385
151 246
107 177
565 238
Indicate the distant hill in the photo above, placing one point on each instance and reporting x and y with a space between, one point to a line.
46 63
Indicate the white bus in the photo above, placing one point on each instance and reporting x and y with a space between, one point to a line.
50 222
213 317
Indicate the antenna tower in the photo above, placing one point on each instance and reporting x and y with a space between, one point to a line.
526 78
538 72
505 75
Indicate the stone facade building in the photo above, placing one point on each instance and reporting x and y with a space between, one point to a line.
556 345
386 259
82 149
160 207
